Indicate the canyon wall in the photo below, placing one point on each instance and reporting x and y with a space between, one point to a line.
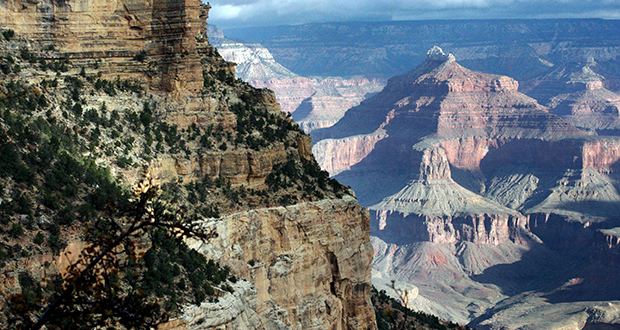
315 102
521 49
305 264
575 74
306 247
157 41
530 177
470 186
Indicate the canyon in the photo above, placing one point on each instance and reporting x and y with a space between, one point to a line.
485 206
519 48
314 102
553 66
493 202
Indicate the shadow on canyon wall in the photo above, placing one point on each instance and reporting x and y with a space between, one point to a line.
570 265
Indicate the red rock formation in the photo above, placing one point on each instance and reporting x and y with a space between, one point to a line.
162 43
467 163
490 229
339 155
602 154
477 104
290 92
436 209
468 114
578 94
314 102
467 153
333 96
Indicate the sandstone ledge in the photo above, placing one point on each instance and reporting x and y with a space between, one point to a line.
310 262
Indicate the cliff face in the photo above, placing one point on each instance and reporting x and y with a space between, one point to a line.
436 209
602 155
314 102
332 98
518 48
177 110
158 41
581 95
575 74
305 246
471 183
472 116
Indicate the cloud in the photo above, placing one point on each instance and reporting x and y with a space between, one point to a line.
226 12
233 13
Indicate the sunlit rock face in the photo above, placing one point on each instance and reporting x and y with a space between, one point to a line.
159 41
301 266
309 263
478 194
314 102
469 114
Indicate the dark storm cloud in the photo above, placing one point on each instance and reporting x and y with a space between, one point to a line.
275 12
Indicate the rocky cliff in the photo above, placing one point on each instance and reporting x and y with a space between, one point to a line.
160 41
522 49
315 102
580 95
134 87
548 60
306 246
471 183
436 209
255 65
469 114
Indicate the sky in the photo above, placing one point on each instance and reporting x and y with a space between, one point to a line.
244 13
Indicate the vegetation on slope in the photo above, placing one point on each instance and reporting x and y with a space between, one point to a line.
53 192
68 137
391 315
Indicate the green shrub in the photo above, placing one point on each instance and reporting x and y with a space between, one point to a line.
39 239
140 56
8 34
174 270
124 162
16 230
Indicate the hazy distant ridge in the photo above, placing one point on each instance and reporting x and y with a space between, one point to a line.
389 48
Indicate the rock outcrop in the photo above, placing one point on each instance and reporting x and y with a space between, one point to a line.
306 247
470 115
234 310
333 96
471 183
160 42
314 102
436 209
520 48
185 117
579 94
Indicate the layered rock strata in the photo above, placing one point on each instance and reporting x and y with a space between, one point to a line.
436 209
332 98
519 48
307 265
467 113
315 102
471 183
160 42
579 94
306 247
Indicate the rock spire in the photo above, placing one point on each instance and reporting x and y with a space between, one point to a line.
436 54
